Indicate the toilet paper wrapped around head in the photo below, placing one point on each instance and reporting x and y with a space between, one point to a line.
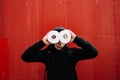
59 34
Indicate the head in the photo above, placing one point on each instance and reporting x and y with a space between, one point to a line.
59 28
59 45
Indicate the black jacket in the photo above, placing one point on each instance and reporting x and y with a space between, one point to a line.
60 65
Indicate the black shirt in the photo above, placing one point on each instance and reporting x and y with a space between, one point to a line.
60 64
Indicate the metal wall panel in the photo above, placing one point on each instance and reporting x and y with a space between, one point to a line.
4 59
24 22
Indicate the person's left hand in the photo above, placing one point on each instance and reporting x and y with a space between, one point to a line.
73 35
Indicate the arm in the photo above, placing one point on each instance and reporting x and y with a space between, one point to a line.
34 52
87 50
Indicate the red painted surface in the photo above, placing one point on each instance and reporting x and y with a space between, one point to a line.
4 59
24 22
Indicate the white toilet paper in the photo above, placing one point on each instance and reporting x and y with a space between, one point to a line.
53 36
65 36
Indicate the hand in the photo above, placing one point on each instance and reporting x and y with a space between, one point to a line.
45 40
73 35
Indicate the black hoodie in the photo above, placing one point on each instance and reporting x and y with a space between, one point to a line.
60 64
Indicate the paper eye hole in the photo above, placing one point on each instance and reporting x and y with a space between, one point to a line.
53 36
65 36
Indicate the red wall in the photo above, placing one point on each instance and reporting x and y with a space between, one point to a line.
23 22
4 59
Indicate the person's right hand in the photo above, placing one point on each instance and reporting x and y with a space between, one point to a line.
45 40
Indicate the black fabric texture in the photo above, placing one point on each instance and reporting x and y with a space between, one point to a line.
60 64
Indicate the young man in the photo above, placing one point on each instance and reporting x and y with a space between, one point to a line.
60 60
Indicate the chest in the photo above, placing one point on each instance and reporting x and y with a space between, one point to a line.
60 59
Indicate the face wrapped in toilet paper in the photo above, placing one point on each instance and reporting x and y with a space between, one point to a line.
54 36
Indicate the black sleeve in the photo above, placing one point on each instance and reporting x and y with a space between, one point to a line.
34 54
87 51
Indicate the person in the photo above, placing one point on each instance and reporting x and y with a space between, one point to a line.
60 60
